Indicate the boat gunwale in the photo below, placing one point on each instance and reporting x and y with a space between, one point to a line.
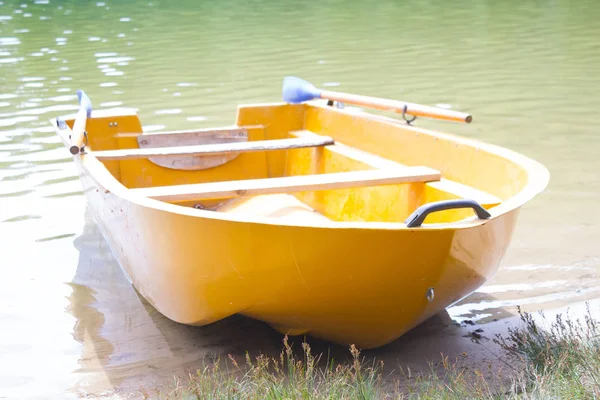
537 174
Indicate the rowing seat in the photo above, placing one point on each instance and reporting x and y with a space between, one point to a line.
288 184
264 186
213 149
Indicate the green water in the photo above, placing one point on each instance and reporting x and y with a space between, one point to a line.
529 73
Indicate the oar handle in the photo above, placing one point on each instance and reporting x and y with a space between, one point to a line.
79 126
78 131
397 106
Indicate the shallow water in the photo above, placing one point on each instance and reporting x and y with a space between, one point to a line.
528 73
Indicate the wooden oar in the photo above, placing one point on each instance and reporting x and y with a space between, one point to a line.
78 131
296 90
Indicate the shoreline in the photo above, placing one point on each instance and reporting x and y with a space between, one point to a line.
420 351
436 357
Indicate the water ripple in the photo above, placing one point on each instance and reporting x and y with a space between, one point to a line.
526 71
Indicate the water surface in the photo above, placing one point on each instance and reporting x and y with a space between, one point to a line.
527 72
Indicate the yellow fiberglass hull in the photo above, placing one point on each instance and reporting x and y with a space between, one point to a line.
337 261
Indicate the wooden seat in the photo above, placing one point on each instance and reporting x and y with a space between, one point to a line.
289 184
212 149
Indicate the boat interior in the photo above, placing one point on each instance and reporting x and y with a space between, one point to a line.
310 162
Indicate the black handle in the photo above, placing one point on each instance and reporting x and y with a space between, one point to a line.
418 216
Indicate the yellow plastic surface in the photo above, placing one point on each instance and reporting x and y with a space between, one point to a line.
338 264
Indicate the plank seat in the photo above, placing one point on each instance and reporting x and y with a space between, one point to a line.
288 184
212 149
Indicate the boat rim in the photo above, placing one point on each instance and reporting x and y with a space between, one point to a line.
538 178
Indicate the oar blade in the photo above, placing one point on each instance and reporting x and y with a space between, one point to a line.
85 102
296 90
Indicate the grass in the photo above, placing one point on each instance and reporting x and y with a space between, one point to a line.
561 361
286 377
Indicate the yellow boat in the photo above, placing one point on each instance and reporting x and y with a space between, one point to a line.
317 218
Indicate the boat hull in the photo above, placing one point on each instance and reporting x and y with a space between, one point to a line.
343 266
344 285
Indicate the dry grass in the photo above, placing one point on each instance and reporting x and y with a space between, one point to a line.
558 362
561 361
286 377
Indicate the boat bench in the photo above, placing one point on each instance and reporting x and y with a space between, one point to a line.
384 172
214 149
288 184
252 187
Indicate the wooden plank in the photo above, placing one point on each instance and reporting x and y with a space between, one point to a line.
223 148
192 138
289 184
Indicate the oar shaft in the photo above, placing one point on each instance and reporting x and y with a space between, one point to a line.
397 106
78 131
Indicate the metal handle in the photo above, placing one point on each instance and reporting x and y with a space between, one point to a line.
418 216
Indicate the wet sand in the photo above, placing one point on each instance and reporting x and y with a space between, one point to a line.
118 346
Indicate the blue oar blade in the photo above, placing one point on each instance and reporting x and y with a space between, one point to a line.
296 90
85 102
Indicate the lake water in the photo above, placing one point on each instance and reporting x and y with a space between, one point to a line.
528 72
